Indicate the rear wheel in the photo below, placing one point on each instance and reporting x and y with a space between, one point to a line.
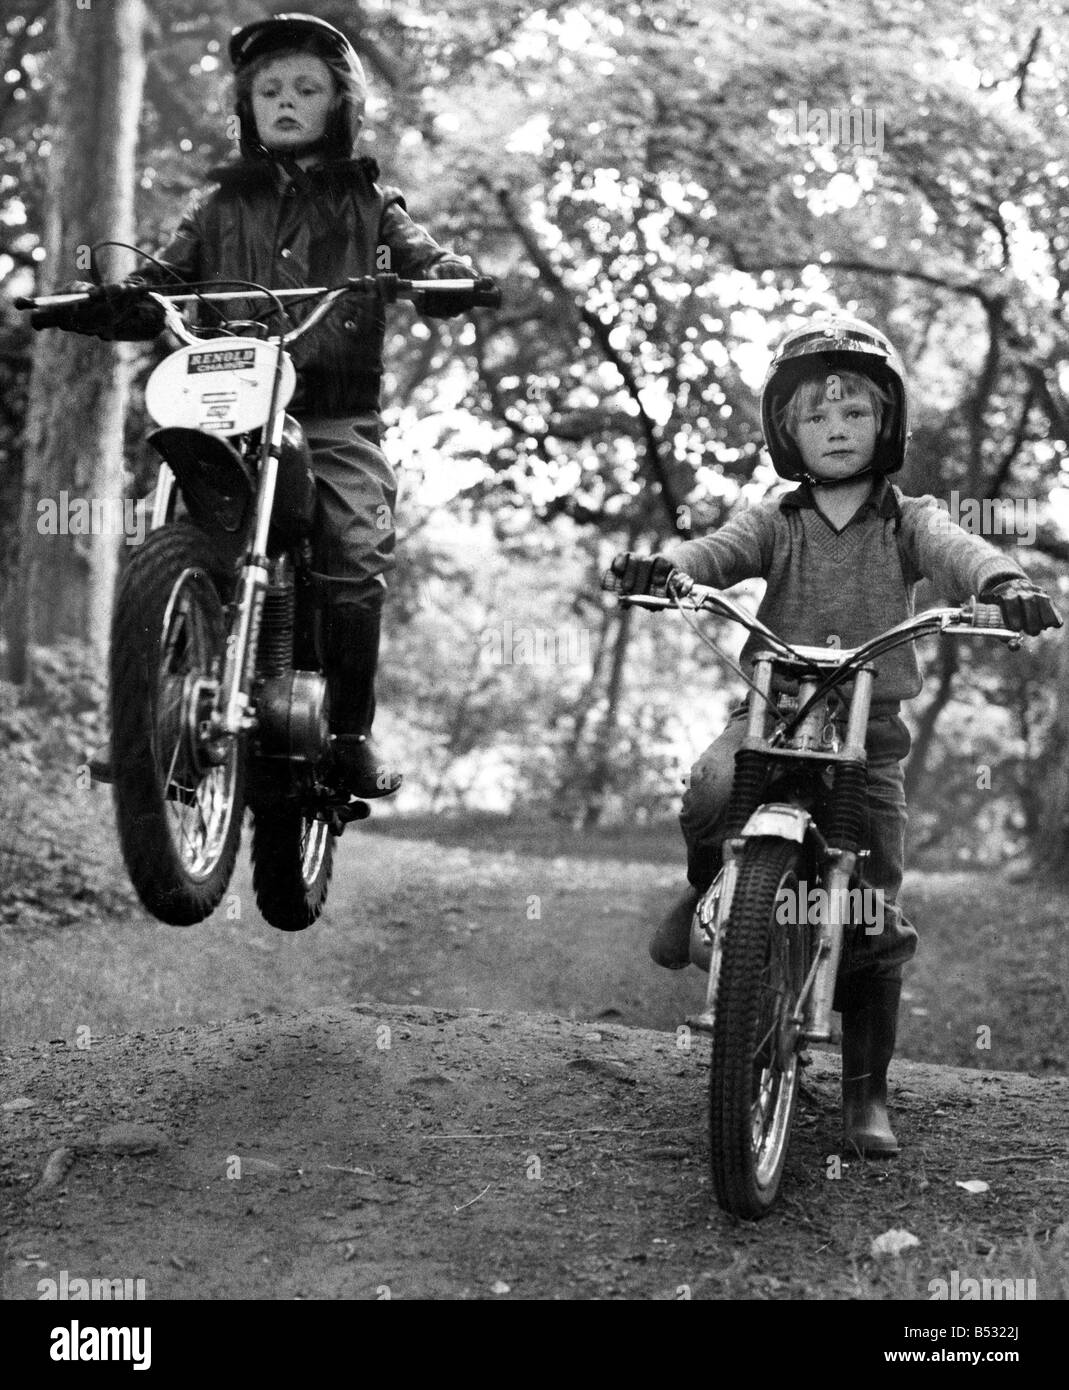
755 1067
292 861
178 794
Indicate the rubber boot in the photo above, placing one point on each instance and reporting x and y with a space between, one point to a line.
352 655
870 1019
670 943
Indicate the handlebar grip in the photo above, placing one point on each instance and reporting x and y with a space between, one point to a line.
487 294
987 615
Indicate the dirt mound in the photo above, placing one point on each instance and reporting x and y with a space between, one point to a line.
390 1151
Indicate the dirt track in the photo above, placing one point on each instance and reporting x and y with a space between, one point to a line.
484 1155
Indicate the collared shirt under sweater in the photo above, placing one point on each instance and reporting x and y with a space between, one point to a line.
829 587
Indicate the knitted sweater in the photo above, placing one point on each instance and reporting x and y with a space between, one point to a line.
848 585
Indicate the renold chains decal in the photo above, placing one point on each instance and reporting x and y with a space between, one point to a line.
223 360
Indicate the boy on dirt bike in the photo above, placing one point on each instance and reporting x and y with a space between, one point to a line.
297 209
841 555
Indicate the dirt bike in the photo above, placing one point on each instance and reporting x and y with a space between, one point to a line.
795 822
218 698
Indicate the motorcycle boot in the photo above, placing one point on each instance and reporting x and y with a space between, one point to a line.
870 1019
670 943
351 659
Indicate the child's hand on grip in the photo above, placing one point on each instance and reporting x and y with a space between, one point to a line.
1025 607
645 574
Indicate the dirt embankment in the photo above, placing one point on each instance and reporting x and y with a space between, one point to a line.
408 1152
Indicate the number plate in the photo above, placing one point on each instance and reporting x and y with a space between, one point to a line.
222 385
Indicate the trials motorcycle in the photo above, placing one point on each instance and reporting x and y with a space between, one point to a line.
796 820
218 700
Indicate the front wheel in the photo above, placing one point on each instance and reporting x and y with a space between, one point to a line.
178 795
292 861
754 1075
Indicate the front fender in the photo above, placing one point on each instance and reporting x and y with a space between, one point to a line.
215 482
783 822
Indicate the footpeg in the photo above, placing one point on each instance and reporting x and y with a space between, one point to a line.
100 768
341 816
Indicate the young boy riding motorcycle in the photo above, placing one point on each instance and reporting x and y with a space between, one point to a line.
297 209
841 555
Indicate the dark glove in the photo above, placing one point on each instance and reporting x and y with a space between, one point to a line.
645 574
1024 607
66 316
443 304
109 312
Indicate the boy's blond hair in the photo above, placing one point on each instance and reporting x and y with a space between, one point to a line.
813 391
246 76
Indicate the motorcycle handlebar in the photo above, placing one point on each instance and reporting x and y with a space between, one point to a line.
985 618
425 295
482 292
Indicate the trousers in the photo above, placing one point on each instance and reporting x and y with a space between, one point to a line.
356 493
866 951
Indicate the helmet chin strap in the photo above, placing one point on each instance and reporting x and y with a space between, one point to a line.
836 482
288 162
287 159
305 186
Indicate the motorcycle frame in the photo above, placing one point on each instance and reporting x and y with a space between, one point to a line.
834 866
231 712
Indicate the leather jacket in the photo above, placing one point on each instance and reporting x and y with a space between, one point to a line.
254 226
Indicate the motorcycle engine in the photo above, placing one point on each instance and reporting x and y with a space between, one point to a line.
293 716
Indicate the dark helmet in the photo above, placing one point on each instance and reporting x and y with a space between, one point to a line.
839 344
316 36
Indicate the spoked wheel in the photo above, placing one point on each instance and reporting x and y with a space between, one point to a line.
178 794
292 861
755 1068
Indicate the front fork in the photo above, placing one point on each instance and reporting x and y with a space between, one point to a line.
812 1015
240 667
815 1001
230 715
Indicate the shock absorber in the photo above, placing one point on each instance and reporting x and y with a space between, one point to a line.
747 789
275 653
846 822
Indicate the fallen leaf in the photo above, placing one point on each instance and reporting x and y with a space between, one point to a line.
893 1242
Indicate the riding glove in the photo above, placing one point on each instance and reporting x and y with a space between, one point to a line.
645 574
1025 607
110 312
443 304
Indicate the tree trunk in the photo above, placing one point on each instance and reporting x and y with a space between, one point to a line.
918 759
601 771
584 708
1051 844
79 386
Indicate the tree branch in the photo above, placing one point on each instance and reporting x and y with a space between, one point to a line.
1019 436
974 289
601 335
977 400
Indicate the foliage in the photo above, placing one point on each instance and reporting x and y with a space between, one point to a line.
644 181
